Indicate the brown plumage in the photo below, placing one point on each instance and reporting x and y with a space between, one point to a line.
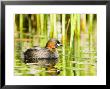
47 56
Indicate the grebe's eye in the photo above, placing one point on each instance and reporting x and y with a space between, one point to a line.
58 42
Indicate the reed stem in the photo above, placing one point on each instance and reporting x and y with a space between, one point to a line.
63 42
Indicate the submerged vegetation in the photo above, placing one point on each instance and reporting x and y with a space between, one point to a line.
77 33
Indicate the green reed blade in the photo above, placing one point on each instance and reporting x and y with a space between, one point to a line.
51 25
55 30
78 43
83 34
63 42
91 71
21 25
73 26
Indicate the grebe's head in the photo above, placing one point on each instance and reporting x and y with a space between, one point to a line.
53 43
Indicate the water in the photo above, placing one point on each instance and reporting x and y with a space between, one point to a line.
67 65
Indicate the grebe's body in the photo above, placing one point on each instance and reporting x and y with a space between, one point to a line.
47 56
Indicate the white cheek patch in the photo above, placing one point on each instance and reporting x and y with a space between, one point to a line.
58 44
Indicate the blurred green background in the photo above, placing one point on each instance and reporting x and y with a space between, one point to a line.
77 32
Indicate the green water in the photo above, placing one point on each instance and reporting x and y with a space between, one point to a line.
67 64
